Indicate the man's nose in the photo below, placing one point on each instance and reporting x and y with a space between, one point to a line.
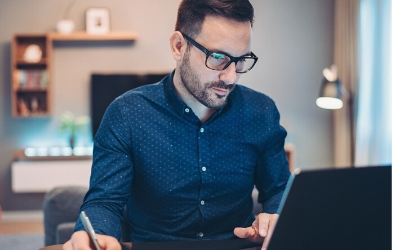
229 75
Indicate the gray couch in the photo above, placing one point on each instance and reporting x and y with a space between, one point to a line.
61 210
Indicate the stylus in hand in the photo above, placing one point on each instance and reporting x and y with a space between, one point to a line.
89 229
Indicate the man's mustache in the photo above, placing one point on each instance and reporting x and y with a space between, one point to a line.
222 85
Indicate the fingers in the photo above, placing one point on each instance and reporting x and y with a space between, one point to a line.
80 240
244 232
108 242
263 220
271 226
261 229
273 220
67 245
267 239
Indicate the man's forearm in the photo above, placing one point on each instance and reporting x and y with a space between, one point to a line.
104 220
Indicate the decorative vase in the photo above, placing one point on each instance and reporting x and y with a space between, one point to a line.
65 26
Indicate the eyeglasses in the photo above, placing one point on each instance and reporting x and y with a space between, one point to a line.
220 61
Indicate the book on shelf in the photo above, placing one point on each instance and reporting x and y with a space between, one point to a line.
32 79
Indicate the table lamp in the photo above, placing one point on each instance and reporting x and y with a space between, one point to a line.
330 96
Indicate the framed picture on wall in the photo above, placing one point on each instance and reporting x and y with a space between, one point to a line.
97 21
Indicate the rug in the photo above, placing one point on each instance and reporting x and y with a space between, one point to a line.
21 241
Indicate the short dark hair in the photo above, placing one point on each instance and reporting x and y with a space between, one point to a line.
191 13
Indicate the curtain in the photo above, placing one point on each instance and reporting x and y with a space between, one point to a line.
346 60
374 121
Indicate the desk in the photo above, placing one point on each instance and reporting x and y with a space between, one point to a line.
234 244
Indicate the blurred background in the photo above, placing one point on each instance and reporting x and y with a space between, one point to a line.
294 40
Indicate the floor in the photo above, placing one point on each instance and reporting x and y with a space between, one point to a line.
19 227
21 222
21 230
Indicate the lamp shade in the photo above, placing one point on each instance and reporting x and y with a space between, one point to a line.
330 95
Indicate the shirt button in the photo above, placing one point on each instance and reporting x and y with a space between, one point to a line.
204 169
201 234
201 130
186 110
202 202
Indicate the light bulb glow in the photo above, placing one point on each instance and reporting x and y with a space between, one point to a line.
42 151
66 151
329 103
55 151
30 152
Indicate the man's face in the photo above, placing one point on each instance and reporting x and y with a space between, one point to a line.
210 87
210 94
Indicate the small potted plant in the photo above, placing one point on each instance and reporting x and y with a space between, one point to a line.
72 125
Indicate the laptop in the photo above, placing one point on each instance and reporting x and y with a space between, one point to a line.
348 208
331 209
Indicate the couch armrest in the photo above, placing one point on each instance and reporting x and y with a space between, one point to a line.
64 232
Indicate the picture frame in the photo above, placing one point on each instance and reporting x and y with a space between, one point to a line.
97 21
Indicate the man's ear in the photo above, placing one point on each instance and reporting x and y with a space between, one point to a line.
176 43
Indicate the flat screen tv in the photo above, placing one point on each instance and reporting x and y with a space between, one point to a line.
106 87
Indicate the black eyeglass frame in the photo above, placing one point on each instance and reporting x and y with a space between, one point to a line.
232 58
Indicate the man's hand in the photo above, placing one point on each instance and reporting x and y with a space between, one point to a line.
260 231
80 241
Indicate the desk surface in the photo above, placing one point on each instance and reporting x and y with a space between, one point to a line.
235 244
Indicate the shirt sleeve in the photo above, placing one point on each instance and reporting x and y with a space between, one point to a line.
272 172
111 174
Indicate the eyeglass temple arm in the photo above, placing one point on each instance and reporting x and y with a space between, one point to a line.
206 51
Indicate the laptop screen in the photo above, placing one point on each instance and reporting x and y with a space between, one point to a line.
336 209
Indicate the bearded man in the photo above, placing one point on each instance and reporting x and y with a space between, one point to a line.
183 155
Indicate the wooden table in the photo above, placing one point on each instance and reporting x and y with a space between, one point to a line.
234 244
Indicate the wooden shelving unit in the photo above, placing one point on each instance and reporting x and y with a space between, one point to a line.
31 89
83 36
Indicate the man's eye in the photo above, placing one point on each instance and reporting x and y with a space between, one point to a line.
218 56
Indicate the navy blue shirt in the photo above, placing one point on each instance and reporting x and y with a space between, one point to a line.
181 179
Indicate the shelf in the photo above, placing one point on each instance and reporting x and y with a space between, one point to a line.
83 36
40 115
42 62
31 100
52 158
30 81
31 89
20 156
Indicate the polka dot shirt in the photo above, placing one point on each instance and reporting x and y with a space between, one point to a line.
178 178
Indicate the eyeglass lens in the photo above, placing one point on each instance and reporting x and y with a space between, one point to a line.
218 61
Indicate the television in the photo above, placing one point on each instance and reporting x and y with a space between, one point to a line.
106 87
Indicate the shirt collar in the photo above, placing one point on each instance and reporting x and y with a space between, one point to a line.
179 106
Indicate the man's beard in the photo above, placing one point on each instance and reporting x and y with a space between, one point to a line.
202 91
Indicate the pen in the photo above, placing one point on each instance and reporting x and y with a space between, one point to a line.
89 229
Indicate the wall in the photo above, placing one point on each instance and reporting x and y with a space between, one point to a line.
292 38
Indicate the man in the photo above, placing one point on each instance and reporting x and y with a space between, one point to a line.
184 154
